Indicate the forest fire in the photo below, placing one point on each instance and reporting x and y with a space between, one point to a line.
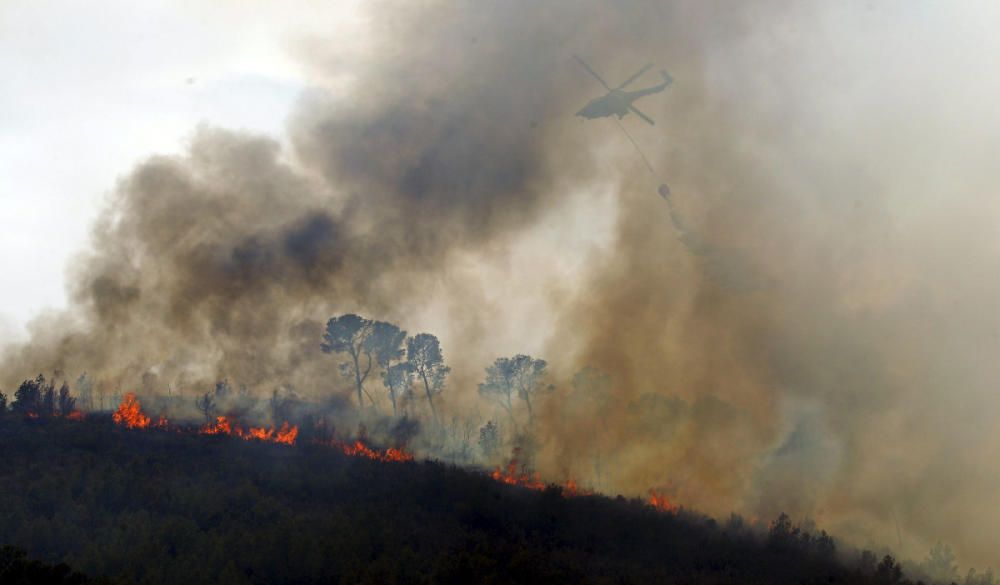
359 449
286 435
511 475
661 502
130 413
571 490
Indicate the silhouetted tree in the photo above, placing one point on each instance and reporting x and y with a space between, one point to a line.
386 343
349 334
27 398
529 378
3 404
888 571
521 375
206 404
67 403
782 534
499 386
423 354
48 404
825 545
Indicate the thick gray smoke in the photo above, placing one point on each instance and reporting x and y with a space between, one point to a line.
830 355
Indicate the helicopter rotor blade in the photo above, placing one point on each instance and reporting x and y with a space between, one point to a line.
634 77
591 71
641 115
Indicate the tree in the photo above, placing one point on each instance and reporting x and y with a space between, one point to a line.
206 404
347 334
3 404
529 378
27 398
521 375
398 380
888 571
48 404
386 344
782 534
67 403
423 354
825 545
499 386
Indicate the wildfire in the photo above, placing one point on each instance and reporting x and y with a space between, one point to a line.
130 414
571 490
285 435
512 476
359 449
76 415
660 501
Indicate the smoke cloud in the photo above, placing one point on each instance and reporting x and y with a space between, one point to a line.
829 353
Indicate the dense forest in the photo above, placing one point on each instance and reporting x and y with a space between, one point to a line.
161 506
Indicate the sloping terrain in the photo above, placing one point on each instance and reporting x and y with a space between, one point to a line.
164 507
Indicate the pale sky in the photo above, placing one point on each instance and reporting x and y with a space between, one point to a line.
90 88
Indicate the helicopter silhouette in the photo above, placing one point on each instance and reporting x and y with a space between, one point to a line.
618 101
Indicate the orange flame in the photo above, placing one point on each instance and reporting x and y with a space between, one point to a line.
571 490
286 435
224 426
359 449
511 476
130 414
660 501
76 415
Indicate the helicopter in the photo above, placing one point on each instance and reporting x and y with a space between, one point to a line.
618 101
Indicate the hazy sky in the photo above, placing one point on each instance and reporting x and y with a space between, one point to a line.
89 88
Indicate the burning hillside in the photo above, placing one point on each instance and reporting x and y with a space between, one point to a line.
435 259
158 499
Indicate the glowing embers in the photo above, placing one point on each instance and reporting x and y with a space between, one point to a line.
285 435
661 502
